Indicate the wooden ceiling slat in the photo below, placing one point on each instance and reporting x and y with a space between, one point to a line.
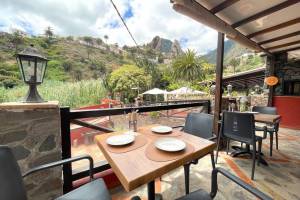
280 38
284 45
286 50
274 28
265 13
223 5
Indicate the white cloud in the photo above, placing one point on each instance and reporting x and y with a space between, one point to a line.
93 17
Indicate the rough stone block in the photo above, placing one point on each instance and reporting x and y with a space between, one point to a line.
48 144
20 152
33 133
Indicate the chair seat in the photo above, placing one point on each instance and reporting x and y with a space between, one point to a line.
269 129
244 140
197 195
95 190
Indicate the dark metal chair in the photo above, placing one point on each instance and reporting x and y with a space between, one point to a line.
12 186
200 125
240 127
203 195
270 129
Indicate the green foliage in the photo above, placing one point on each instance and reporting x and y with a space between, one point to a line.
55 71
188 67
9 75
151 68
70 38
234 62
49 34
75 95
154 114
127 77
16 39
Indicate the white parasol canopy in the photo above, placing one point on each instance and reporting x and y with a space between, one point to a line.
186 90
156 91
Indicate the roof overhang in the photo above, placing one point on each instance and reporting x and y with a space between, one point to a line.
242 80
265 26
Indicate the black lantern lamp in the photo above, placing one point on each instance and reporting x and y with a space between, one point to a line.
32 65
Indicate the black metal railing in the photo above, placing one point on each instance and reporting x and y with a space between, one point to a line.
73 116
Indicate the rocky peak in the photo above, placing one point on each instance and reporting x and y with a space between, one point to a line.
165 46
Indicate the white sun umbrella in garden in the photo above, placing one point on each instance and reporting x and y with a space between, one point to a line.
156 91
186 91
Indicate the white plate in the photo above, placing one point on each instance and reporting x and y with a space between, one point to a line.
119 140
161 129
170 144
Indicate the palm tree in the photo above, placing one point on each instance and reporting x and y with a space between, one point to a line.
234 62
187 67
89 42
106 38
16 39
49 32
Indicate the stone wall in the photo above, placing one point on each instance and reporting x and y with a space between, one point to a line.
286 72
33 132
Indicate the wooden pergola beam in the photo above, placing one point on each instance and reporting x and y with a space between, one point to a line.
296 33
223 5
265 13
219 79
197 12
275 28
284 45
286 50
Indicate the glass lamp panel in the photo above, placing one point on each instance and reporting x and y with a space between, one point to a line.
40 71
20 68
28 69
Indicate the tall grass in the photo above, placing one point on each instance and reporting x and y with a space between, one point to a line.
73 94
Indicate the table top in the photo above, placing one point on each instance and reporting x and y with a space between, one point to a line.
266 118
134 169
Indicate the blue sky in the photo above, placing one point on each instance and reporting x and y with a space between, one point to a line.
145 18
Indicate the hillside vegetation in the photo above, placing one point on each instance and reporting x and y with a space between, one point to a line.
236 58
78 62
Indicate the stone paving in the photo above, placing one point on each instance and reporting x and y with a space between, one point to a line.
281 179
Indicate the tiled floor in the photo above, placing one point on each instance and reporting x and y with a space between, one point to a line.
281 179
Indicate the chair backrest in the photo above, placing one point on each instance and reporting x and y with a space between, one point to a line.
238 126
11 182
199 124
265 110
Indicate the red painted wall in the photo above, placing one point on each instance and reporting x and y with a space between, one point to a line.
289 109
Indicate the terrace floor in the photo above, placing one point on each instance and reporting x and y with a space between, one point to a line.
281 179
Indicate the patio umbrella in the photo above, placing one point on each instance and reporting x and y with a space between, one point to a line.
156 91
186 90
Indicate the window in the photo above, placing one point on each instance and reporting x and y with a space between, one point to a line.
292 88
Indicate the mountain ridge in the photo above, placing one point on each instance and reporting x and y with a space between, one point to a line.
231 50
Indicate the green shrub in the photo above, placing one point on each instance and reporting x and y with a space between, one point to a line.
75 95
154 114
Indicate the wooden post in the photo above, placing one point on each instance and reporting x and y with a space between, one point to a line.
270 64
219 74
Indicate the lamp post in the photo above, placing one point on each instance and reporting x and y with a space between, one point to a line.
212 89
257 88
32 65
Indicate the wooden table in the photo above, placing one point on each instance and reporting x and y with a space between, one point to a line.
266 118
134 169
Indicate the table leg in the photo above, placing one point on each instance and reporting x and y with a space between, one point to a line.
151 192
